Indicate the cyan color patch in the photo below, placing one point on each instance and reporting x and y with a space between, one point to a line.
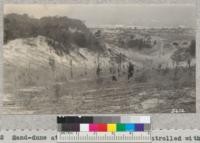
130 127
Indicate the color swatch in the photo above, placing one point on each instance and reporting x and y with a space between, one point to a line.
103 124
119 127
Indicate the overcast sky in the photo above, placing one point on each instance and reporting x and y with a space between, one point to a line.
156 15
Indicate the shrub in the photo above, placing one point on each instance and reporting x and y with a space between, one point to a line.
141 77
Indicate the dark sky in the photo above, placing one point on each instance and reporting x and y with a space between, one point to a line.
157 15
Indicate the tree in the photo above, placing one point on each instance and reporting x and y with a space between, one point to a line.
130 70
80 39
98 33
193 48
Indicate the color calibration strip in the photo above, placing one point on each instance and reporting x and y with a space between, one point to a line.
111 127
129 129
104 124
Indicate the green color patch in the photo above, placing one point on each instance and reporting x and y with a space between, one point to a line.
121 127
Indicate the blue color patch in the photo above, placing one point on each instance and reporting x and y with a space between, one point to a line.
130 127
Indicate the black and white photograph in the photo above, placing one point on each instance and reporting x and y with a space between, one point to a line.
99 58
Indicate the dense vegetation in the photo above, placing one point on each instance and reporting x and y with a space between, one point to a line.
138 43
63 31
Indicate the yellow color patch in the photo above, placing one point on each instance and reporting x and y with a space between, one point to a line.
111 127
